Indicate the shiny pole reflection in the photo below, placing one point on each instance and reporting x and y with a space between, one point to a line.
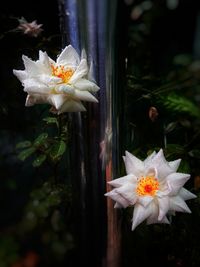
90 25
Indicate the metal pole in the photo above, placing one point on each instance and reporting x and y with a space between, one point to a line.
90 25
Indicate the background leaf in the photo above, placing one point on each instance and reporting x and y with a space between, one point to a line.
39 160
26 153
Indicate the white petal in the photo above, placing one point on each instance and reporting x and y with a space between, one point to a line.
123 180
65 89
33 86
175 181
178 204
145 200
118 198
148 160
49 79
68 56
84 84
163 207
163 171
127 191
71 106
152 172
118 206
44 62
30 66
58 100
141 213
80 72
185 194
152 219
162 166
85 96
174 164
133 165
36 99
21 74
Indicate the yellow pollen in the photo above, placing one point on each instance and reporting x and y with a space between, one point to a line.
147 186
61 72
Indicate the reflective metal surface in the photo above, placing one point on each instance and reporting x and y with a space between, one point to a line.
91 25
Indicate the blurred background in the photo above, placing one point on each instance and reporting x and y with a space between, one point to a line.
158 44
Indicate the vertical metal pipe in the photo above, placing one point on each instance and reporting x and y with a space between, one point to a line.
90 25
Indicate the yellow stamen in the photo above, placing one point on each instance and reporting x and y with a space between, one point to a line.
61 72
147 186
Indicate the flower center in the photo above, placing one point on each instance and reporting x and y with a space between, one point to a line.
61 72
147 186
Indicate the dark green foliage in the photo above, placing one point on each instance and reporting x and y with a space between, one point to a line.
45 147
36 195
166 78
9 251
174 103
37 200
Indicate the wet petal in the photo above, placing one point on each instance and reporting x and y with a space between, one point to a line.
21 75
80 72
58 100
44 62
85 96
71 106
32 86
48 79
65 89
36 99
83 84
69 57
30 66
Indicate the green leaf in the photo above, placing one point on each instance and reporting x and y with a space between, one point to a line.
174 150
170 127
175 103
184 167
182 59
39 160
57 150
195 153
51 120
23 144
26 153
40 139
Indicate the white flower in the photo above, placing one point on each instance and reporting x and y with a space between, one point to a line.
153 187
63 84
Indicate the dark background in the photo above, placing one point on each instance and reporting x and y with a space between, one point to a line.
150 43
